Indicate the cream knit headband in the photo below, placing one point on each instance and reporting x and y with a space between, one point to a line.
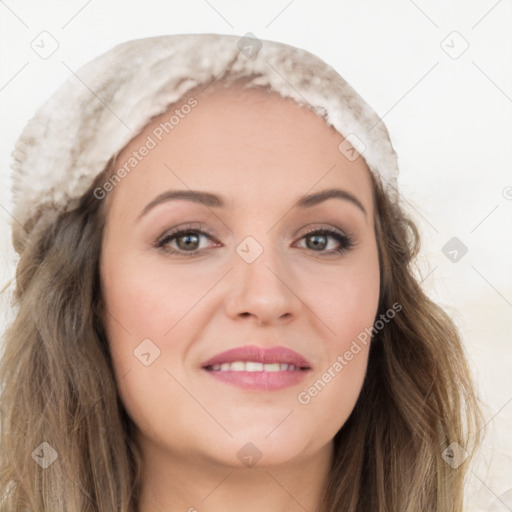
98 110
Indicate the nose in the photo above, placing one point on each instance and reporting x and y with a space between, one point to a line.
264 290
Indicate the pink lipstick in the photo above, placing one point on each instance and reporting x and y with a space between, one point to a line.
252 367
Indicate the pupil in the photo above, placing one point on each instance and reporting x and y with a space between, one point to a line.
188 239
316 243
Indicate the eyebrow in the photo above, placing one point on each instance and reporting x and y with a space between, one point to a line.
214 201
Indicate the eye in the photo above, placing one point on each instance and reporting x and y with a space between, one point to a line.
186 240
318 239
183 240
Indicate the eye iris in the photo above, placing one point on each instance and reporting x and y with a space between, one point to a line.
317 244
191 241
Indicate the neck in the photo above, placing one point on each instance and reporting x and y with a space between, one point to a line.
173 482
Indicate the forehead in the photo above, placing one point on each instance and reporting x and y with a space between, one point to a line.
250 143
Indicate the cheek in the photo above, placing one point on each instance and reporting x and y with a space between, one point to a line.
148 319
133 313
348 306
147 300
327 401
142 306
329 397
350 300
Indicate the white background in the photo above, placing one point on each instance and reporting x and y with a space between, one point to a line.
450 120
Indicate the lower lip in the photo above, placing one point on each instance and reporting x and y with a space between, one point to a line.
263 381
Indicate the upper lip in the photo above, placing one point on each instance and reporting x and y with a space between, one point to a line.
259 355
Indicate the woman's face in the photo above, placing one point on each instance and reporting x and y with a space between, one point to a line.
231 341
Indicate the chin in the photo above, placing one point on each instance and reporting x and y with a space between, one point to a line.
254 447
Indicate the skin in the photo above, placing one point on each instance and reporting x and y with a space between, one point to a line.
261 153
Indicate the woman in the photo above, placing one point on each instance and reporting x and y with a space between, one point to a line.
215 303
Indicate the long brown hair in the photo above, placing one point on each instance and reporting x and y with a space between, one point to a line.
417 398
59 387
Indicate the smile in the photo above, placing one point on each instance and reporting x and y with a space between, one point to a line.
253 366
256 368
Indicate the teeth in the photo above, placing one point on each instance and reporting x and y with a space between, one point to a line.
253 366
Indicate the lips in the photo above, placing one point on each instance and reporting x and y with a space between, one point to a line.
258 368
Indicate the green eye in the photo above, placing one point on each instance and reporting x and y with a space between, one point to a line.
320 240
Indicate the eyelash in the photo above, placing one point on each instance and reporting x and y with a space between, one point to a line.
345 241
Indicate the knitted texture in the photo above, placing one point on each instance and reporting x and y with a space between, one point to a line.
98 110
